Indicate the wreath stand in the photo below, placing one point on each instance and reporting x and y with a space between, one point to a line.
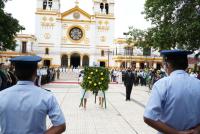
81 103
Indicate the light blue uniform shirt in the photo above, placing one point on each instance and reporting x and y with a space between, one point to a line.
175 101
24 108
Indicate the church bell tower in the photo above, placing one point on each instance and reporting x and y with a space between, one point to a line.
48 29
105 25
104 7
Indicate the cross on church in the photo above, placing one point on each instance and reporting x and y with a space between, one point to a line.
77 2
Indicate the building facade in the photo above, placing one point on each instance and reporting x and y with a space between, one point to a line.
24 46
74 38
127 55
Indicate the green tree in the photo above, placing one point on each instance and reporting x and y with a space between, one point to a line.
138 38
9 26
175 24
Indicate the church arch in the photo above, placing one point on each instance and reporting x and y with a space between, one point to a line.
102 53
64 60
47 51
44 4
75 60
85 60
107 8
101 7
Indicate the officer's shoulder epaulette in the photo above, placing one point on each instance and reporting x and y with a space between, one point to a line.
47 90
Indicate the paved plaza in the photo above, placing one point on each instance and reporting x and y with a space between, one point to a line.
120 117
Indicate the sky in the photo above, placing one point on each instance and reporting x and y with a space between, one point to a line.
127 13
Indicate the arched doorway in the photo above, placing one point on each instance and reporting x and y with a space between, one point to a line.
85 60
64 61
133 64
75 60
46 63
123 64
142 66
102 64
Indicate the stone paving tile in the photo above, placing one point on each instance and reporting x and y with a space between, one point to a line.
120 117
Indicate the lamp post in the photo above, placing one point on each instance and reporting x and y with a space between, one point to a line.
109 52
125 49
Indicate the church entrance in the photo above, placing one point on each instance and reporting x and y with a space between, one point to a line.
46 63
75 60
85 61
64 61
102 64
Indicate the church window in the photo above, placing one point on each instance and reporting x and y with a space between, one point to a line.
44 4
102 53
50 4
47 51
107 8
101 7
76 33
24 44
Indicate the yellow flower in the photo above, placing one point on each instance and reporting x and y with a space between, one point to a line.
96 70
101 73
102 78
95 84
90 82
88 77
99 83
91 73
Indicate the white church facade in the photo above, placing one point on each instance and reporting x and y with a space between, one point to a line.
74 37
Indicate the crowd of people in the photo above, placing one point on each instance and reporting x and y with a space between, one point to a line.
164 111
8 77
144 77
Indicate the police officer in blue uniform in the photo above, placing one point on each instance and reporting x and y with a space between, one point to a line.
24 107
174 104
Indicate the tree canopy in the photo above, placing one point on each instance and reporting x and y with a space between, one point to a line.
176 24
9 26
137 37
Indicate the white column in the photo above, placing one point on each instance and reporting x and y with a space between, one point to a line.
128 64
154 65
138 65
69 61
81 60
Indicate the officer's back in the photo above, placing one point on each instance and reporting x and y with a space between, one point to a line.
181 98
173 106
24 107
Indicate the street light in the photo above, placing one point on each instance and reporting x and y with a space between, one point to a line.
109 52
125 50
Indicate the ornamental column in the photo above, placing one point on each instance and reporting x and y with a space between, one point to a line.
81 60
137 65
154 65
69 61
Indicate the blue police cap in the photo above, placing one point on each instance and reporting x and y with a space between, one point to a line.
176 52
26 59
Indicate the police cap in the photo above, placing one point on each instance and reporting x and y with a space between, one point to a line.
25 62
176 52
26 59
